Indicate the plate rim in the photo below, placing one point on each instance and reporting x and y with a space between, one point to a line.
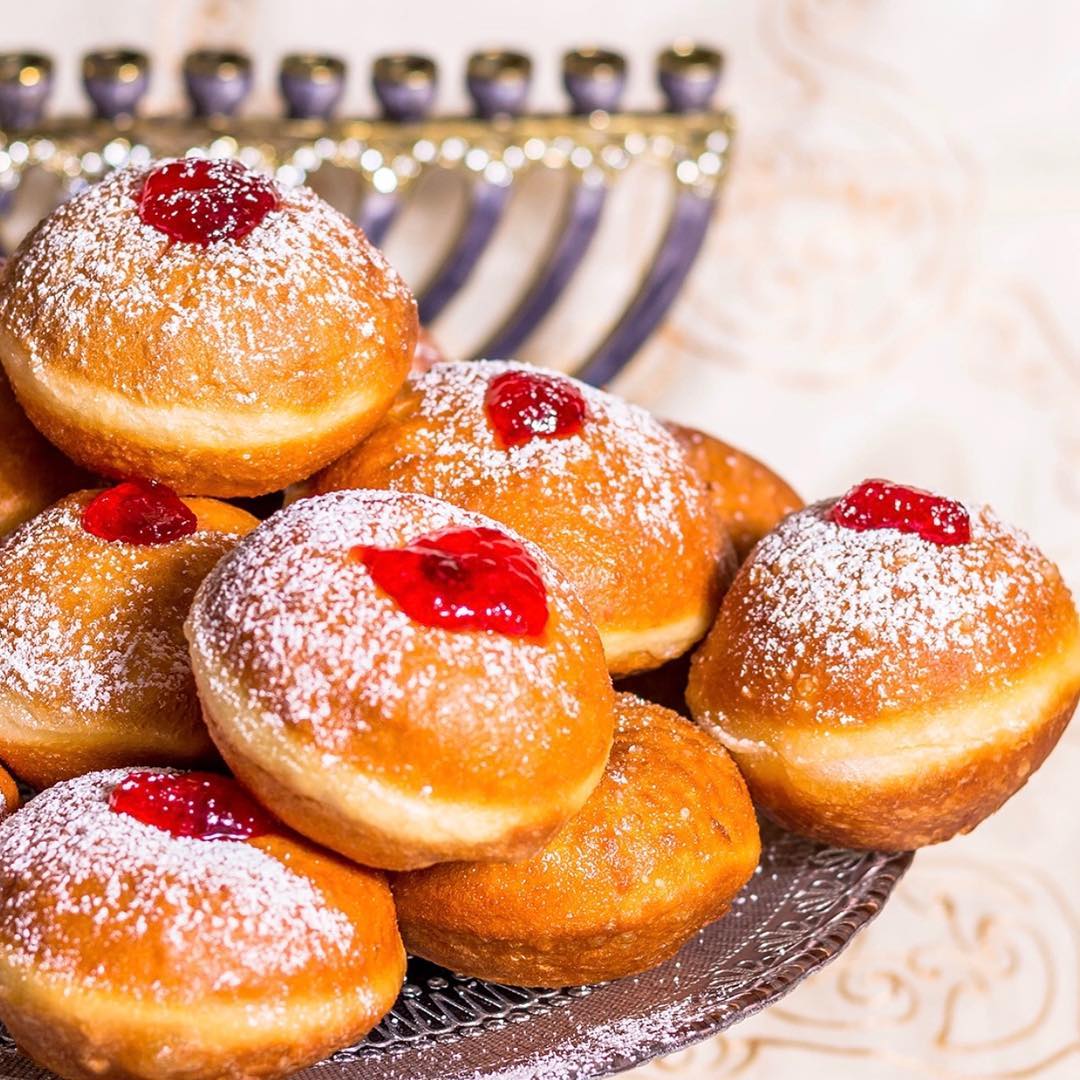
821 947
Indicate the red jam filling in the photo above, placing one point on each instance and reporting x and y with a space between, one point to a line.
878 504
139 512
200 805
203 200
463 579
524 405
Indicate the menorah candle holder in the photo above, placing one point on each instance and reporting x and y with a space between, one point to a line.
594 143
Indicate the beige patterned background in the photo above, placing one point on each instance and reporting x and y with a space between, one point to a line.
893 288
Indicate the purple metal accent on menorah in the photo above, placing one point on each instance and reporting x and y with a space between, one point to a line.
689 87
405 85
216 82
116 80
25 85
582 216
386 157
595 80
678 250
311 85
498 83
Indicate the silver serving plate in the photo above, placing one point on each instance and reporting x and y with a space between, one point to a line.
803 905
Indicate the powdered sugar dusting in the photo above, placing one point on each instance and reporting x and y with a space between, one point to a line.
85 624
589 1049
881 608
67 854
93 271
623 467
291 605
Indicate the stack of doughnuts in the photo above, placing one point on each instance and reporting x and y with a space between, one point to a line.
272 756
600 483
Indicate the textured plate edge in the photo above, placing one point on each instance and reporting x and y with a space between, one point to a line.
819 950
822 950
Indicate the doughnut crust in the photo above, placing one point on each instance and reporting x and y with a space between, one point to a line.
392 742
659 850
229 369
748 497
617 507
882 691
33 473
9 794
94 669
128 953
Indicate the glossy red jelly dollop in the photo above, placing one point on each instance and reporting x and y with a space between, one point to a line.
204 200
879 504
200 805
525 405
139 512
463 579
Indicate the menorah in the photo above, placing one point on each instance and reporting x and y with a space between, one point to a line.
594 142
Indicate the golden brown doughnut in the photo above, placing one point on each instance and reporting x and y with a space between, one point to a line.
881 690
93 663
233 367
394 742
129 952
33 473
615 504
659 850
9 794
748 496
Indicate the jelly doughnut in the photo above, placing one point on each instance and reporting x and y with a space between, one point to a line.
197 323
94 669
595 481
659 850
401 680
888 668
161 925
